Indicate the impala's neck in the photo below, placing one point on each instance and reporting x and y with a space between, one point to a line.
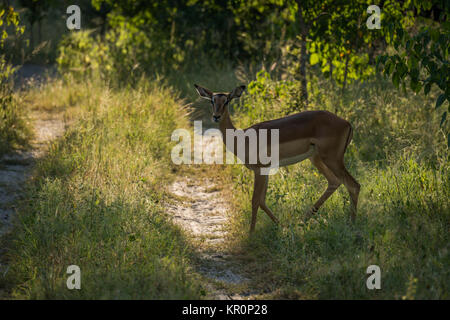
225 124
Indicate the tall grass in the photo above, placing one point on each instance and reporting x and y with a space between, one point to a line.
97 202
400 157
14 132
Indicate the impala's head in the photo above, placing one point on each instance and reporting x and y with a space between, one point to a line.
219 101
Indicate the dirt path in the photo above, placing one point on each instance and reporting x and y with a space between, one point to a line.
15 168
203 214
202 211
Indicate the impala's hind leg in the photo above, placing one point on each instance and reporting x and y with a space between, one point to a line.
350 183
333 183
331 152
353 188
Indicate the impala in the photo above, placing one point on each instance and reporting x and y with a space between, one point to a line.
320 136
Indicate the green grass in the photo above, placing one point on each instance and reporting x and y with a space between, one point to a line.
97 200
400 158
14 130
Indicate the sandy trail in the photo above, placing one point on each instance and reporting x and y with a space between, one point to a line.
203 214
16 167
202 211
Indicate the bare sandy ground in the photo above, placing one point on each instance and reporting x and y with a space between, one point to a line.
15 168
203 214
202 211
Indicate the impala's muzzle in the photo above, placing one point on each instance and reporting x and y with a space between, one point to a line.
216 118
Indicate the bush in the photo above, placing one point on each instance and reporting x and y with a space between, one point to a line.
13 130
83 56
124 55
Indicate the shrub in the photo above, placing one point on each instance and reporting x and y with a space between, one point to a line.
124 55
13 130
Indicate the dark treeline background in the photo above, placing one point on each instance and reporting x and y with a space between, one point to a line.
131 37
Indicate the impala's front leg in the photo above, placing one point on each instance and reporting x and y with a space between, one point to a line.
263 201
256 199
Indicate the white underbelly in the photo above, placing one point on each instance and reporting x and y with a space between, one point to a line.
297 158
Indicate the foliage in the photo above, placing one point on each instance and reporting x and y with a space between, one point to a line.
123 56
36 9
276 98
8 17
422 56
13 131
83 56
335 32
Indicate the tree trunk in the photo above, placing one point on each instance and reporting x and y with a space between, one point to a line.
303 36
303 81
173 29
103 27
39 31
330 61
31 36
344 83
345 72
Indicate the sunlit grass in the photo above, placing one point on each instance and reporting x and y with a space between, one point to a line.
15 131
97 200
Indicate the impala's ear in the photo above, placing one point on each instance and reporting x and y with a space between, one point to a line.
203 92
236 93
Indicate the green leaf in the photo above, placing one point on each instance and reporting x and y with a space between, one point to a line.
444 116
412 62
381 59
314 59
402 70
418 48
440 100
418 87
414 84
414 73
427 88
400 34
434 34
391 67
396 79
